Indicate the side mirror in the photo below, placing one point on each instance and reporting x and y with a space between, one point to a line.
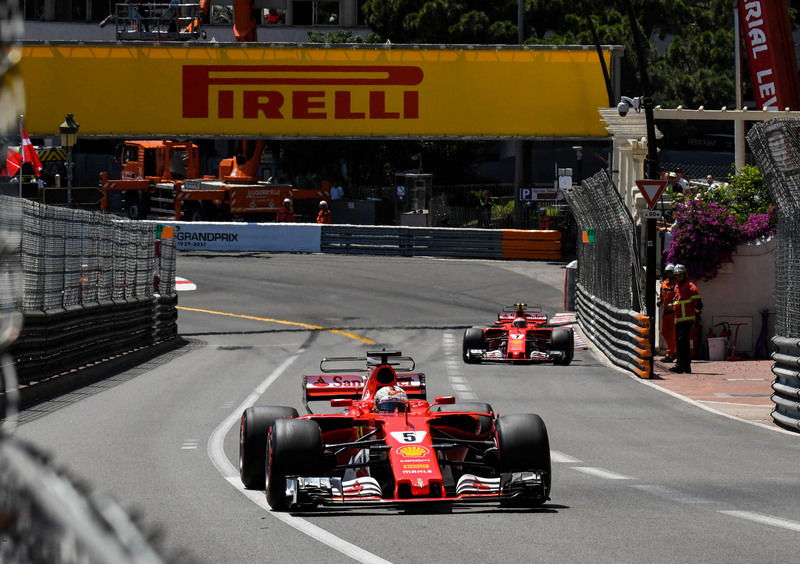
341 402
445 400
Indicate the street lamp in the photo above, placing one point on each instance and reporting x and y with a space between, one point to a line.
69 136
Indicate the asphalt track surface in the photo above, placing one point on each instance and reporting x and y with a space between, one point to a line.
639 475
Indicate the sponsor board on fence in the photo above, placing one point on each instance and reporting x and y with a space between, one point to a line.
315 91
197 236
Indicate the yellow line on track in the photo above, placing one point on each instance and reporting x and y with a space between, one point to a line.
347 334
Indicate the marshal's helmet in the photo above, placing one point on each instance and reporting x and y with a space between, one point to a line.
679 269
391 399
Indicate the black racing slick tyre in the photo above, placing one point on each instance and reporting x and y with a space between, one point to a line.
473 339
294 449
523 445
563 340
253 435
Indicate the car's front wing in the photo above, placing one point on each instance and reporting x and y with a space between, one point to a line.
498 356
523 487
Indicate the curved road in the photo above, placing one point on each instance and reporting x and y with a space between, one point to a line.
639 476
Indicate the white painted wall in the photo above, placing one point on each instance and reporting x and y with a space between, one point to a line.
740 291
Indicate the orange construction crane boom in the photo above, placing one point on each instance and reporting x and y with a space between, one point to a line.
244 20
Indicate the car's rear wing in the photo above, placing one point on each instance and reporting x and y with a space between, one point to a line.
533 317
325 387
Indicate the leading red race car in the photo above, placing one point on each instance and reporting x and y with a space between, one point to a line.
390 446
520 334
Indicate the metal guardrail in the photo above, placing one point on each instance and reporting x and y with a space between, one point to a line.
787 382
412 241
622 335
441 242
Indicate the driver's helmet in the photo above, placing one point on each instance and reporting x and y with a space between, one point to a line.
390 399
520 322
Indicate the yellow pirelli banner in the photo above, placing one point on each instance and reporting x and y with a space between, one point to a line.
314 91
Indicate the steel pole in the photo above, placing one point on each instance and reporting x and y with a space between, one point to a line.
69 177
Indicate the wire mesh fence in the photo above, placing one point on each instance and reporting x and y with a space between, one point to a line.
608 262
75 257
776 146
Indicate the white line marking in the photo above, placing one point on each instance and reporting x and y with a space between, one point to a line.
460 387
601 473
189 444
671 494
469 396
560 457
224 466
457 380
765 519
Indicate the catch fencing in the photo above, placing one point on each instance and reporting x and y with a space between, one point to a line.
776 146
47 516
609 297
94 287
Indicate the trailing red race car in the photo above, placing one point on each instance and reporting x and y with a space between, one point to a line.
520 334
390 446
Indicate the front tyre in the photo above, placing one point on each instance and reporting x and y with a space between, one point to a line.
253 434
523 445
294 449
563 339
473 339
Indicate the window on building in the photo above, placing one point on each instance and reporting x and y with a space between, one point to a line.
315 12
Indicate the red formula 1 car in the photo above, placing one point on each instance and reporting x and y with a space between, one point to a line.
390 446
520 334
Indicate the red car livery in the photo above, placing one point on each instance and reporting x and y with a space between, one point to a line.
520 334
421 452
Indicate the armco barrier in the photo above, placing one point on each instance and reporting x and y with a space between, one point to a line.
623 336
412 241
787 382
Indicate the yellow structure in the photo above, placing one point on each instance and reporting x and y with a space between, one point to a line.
292 91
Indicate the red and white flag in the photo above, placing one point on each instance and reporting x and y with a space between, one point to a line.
29 153
13 164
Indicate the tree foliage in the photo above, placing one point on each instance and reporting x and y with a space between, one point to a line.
689 53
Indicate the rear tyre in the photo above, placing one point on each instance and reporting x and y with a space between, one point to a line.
563 340
294 449
473 339
253 436
523 445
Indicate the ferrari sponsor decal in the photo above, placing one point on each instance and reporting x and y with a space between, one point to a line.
420 483
336 382
413 451
409 436
415 466
417 471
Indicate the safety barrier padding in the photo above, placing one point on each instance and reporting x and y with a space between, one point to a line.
622 335
786 385
531 245
56 341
